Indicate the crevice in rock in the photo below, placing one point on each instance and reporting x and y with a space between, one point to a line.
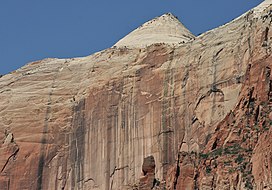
48 162
177 173
251 99
111 184
195 181
156 182
247 75
185 79
270 91
113 172
257 114
89 179
166 132
267 72
13 155
214 146
268 82
117 169
194 119
213 89
213 185
265 37
219 52
65 180
199 100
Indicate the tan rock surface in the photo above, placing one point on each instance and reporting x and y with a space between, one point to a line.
165 29
201 109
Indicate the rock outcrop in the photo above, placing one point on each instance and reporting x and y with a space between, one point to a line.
147 113
164 29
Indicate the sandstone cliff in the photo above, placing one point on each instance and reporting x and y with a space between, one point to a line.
166 111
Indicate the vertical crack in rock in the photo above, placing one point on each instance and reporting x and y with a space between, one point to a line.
265 37
177 172
196 186
185 79
270 91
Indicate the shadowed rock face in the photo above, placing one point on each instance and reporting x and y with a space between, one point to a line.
191 116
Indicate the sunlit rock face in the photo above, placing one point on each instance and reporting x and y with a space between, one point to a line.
146 113
166 29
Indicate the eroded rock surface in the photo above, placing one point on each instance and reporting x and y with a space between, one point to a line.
165 29
196 115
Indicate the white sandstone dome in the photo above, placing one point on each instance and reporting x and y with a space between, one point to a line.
164 29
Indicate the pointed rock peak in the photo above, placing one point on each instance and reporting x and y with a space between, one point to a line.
164 29
167 17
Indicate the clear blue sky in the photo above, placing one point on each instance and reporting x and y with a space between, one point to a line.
32 30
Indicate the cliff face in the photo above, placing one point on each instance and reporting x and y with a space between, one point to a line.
188 114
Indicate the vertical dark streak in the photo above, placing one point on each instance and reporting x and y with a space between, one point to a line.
77 152
213 87
43 140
